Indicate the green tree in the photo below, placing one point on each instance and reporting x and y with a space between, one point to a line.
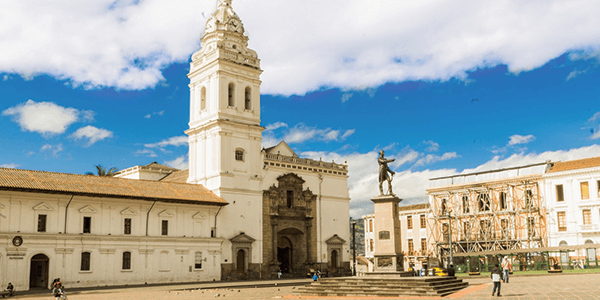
103 172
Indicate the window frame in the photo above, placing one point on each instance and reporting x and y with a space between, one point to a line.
585 194
86 225
423 221
126 261
164 227
411 246
423 246
126 226
42 226
586 214
409 223
560 196
561 217
86 261
289 198
196 260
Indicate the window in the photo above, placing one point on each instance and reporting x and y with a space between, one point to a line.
165 227
465 203
411 247
126 260
504 228
423 246
41 223
445 231
598 185
371 245
409 222
562 220
485 227
127 226
531 227
85 261
585 190
203 98
443 207
371 225
230 98
248 97
560 194
528 198
198 261
87 224
483 202
502 198
290 198
587 217
239 155
466 229
423 222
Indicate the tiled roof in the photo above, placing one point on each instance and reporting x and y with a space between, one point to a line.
414 207
575 164
180 176
49 182
156 165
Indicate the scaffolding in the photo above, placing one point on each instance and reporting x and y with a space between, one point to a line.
487 216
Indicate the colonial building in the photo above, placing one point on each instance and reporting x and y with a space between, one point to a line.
369 221
572 191
239 211
413 233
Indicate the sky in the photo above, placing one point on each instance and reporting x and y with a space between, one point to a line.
443 87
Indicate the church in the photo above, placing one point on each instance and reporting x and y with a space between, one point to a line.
240 211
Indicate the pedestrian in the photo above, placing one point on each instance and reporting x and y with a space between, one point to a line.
506 268
496 279
315 277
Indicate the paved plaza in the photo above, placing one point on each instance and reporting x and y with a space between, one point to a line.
572 286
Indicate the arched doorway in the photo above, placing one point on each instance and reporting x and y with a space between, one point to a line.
38 272
334 259
241 261
284 254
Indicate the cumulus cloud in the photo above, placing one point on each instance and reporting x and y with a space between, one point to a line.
92 134
175 141
364 44
46 118
516 139
10 165
180 162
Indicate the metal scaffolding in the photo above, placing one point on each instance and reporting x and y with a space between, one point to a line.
487 216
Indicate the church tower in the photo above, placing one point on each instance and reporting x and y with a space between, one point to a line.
224 129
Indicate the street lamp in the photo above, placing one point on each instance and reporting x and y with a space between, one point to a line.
354 246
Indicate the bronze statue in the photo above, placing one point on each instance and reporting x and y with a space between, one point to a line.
383 173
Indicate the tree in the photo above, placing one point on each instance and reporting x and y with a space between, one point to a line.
103 172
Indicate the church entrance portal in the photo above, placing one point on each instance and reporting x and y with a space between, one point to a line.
284 254
334 258
38 273
241 261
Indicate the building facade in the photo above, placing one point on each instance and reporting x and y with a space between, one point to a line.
414 235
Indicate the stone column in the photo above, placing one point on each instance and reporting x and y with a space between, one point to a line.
308 241
274 234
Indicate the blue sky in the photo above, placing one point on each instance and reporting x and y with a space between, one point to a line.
105 83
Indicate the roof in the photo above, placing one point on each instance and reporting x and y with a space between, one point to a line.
156 165
575 164
63 183
180 176
414 207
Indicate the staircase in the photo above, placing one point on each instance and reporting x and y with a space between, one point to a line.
383 286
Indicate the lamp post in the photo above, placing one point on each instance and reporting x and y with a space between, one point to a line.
354 247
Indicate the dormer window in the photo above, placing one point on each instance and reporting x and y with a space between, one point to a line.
239 155
231 98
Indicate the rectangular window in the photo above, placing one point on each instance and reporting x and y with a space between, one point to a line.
127 226
371 225
371 244
598 185
423 246
41 223
87 224
165 227
409 222
531 227
485 227
504 226
126 260
198 261
585 190
465 201
562 220
423 221
466 230
239 155
528 198
290 198
560 194
85 261
411 247
587 217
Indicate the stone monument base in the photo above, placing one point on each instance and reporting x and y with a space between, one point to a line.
390 274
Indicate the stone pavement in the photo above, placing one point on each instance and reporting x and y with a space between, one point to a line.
561 286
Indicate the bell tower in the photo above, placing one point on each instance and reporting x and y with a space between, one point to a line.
224 129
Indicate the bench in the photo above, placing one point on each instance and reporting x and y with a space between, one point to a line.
6 293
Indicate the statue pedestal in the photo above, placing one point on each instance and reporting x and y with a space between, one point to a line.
388 247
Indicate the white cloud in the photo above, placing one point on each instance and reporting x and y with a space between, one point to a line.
363 45
46 118
53 150
431 158
175 141
516 139
575 73
596 134
595 117
276 125
302 133
180 162
148 116
93 134
348 133
10 165
346 97
145 152
433 146
156 113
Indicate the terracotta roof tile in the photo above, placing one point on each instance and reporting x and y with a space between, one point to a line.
414 207
575 164
40 181
177 176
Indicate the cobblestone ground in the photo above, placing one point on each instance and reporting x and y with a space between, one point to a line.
581 286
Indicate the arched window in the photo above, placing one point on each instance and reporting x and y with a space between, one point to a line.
203 98
248 98
85 261
239 154
231 95
198 261
126 260
241 261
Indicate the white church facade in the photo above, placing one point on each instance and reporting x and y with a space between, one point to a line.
240 211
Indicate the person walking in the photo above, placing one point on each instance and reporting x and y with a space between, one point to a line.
506 268
496 279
